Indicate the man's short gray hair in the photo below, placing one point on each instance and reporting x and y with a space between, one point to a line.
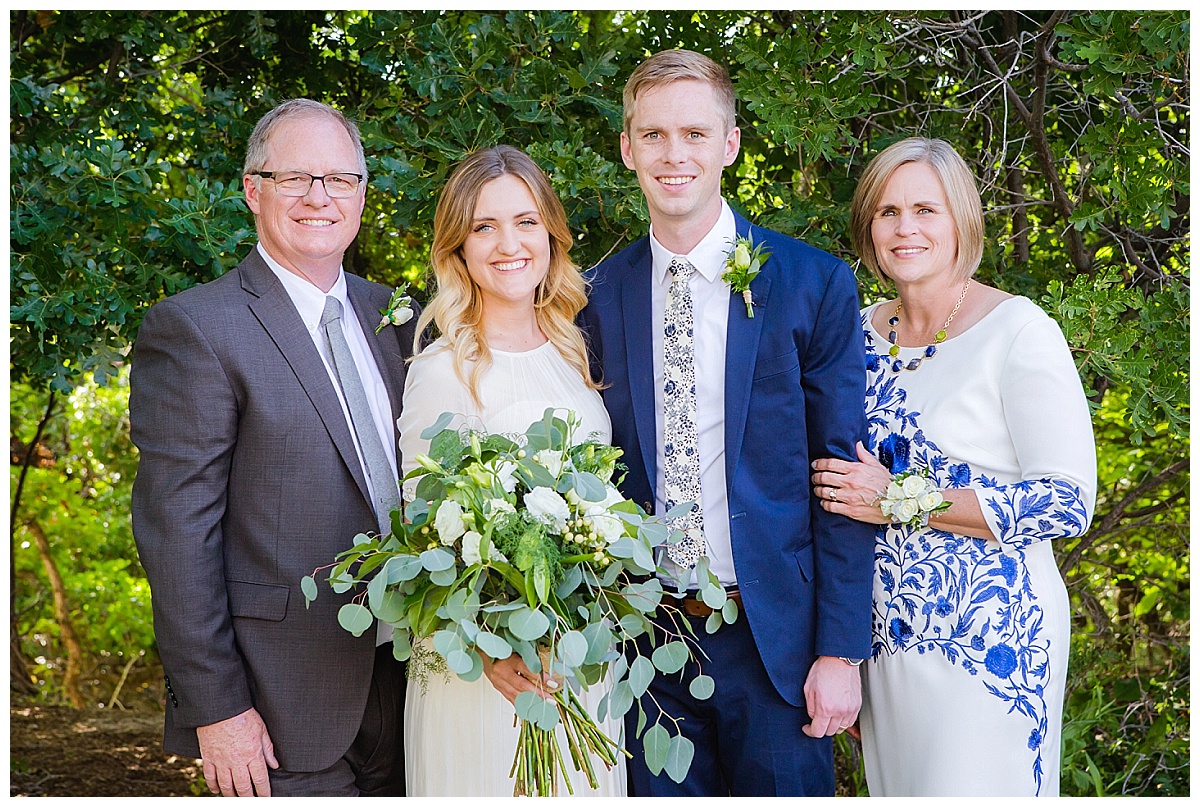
256 148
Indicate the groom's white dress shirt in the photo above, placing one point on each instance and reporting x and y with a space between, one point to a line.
710 300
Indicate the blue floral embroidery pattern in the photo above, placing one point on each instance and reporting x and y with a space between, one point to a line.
968 599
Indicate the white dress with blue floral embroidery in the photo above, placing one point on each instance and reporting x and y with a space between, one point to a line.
963 692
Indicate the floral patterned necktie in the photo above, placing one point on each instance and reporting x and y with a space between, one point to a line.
681 450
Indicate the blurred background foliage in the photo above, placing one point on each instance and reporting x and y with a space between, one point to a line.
127 135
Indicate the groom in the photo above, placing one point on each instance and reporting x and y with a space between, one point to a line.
714 406
264 406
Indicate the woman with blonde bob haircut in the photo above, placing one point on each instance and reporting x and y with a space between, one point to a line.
980 452
508 350
962 199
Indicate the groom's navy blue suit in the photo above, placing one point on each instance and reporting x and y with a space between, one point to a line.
794 386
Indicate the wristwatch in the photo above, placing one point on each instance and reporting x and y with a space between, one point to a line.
853 662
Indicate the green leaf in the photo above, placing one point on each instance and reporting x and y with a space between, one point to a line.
528 624
447 641
308 587
714 622
355 618
460 661
656 744
443 577
401 646
641 673
573 648
437 559
679 758
702 687
441 423
670 657
400 568
537 710
390 608
495 646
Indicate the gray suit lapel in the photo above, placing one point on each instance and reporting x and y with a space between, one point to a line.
278 316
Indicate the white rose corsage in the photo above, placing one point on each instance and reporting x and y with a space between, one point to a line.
911 498
399 309
742 265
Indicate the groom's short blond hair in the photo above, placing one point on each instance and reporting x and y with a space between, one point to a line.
680 65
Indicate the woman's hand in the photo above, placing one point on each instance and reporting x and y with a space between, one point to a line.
852 488
511 677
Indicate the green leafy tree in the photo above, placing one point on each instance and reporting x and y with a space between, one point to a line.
128 129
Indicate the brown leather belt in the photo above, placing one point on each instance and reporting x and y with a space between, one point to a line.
694 606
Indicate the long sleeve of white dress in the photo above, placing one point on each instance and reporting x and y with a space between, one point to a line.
1051 434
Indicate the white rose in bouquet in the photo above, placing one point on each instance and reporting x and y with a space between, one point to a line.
470 547
506 474
607 526
449 522
551 460
548 507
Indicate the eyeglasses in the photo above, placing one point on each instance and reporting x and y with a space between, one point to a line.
298 183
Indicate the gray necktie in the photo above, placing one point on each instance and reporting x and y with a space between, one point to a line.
383 481
681 454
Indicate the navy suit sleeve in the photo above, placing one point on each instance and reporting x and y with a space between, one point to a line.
834 387
184 421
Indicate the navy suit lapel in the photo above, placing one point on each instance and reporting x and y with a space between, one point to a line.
639 354
278 316
741 350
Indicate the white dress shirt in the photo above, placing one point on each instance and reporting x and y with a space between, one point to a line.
310 304
710 301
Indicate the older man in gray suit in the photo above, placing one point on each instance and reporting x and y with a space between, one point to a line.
264 406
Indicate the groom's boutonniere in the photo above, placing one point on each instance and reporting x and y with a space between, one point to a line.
399 309
742 266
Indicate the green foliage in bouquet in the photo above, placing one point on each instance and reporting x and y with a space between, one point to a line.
527 547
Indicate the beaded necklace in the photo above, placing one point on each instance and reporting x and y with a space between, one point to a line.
938 338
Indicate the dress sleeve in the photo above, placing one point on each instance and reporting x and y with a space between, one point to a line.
430 388
1048 421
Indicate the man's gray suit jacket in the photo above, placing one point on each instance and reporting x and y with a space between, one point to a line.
248 481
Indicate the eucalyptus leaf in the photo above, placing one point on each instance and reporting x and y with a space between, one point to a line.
654 533
599 639
623 547
573 648
459 661
476 669
570 581
729 612
537 710
528 624
441 423
643 558
588 486
400 568
702 687
355 618
714 622
655 744
443 577
714 596
308 586
679 758
437 559
342 583
495 646
641 673
401 646
621 700
390 608
633 625
417 510
670 657
446 641
679 511
375 590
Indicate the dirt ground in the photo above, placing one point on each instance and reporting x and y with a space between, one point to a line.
60 751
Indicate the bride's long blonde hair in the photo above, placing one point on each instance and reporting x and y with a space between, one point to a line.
457 307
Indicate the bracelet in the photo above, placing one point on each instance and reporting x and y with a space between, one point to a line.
911 498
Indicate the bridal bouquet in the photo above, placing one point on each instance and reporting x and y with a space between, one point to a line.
527 547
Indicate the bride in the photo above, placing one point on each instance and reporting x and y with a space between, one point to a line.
507 297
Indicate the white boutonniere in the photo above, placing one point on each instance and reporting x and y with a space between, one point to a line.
399 309
742 265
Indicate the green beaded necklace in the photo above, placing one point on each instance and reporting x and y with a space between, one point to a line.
938 338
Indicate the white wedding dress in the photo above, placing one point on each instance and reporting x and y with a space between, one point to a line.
459 736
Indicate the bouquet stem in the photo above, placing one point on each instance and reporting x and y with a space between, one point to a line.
539 758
